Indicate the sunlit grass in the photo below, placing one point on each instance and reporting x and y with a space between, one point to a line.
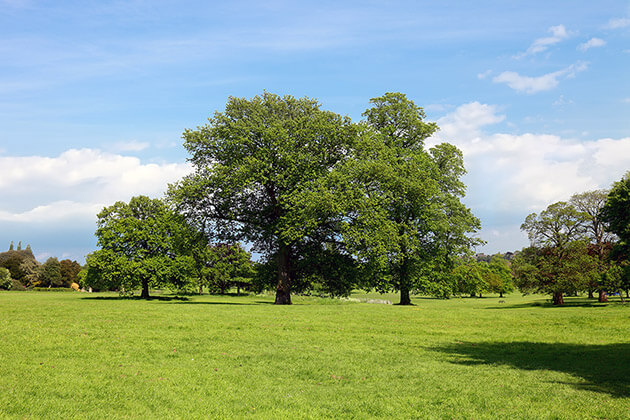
73 355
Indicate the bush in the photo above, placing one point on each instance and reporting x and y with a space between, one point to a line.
5 279
17 285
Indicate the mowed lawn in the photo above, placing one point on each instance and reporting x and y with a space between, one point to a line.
79 355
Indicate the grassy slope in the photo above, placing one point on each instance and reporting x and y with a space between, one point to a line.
95 356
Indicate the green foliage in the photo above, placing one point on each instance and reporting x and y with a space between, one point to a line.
556 270
253 163
69 271
5 279
499 276
616 279
401 204
560 260
22 265
469 278
556 226
616 211
50 274
229 265
138 243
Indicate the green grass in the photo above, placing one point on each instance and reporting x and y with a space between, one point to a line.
79 355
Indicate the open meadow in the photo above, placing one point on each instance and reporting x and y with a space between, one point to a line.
79 355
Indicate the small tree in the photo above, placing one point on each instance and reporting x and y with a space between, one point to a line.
138 243
499 276
5 279
230 265
69 271
555 271
558 237
50 273
469 278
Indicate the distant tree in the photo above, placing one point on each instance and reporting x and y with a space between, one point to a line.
11 246
50 273
616 211
138 243
555 271
558 238
469 277
498 276
22 265
616 279
590 204
229 266
5 279
69 271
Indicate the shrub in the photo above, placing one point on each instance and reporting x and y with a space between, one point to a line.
17 285
5 279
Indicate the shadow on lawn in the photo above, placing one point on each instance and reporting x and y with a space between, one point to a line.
179 299
568 303
604 368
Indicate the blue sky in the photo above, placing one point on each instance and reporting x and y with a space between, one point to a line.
94 96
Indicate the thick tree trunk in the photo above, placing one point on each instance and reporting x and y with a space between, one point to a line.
590 293
145 289
500 294
602 296
405 299
283 290
558 299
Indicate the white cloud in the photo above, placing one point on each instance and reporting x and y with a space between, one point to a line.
618 23
511 175
592 43
484 75
542 83
77 184
558 34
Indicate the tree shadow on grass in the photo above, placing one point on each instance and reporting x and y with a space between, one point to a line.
568 303
604 368
212 303
181 299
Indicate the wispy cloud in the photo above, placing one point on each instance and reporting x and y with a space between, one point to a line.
618 23
528 84
558 33
129 146
591 43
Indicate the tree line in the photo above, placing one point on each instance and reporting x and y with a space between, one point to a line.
20 270
330 205
327 204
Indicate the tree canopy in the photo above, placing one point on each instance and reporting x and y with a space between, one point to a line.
138 243
252 162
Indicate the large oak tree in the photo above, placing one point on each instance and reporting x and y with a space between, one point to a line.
252 163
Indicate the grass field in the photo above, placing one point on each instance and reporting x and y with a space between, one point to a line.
74 355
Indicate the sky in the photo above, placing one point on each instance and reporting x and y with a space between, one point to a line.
95 95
